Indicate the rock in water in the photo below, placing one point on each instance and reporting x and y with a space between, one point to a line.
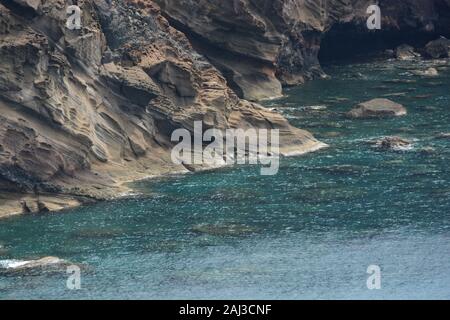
377 108
427 151
443 136
430 72
223 229
33 267
438 49
392 144
406 52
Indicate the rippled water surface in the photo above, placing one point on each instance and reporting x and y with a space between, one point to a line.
309 232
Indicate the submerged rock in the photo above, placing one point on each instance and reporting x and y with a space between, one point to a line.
331 134
392 144
329 194
33 267
3 250
406 52
445 135
345 169
96 233
314 108
439 48
427 151
430 72
423 96
377 108
223 229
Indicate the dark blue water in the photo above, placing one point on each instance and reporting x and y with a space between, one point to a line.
309 232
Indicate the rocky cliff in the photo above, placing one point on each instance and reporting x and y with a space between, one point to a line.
261 45
84 111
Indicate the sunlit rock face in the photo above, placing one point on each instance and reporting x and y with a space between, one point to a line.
260 45
83 111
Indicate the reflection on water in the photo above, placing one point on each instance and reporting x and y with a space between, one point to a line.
309 232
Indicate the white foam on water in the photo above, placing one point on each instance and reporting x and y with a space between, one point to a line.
12 264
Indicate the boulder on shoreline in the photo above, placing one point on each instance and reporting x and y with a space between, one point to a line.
377 108
438 49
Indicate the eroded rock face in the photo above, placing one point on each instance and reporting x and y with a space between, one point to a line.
377 108
260 45
83 111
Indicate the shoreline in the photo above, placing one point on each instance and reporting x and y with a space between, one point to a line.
12 207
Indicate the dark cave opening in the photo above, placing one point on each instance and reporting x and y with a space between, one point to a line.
345 43
19 9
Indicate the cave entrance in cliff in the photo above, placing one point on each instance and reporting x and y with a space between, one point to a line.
345 43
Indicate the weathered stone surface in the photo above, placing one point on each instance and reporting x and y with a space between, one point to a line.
3 250
377 108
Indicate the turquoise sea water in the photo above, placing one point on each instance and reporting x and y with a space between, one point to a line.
309 232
